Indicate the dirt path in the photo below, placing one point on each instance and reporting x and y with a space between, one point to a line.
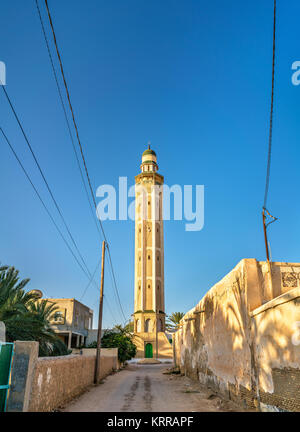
144 388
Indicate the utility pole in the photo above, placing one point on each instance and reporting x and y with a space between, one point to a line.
273 219
265 235
97 365
156 348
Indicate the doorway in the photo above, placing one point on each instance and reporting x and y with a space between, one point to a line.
148 351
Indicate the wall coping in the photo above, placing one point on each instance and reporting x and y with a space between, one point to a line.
281 263
283 298
53 358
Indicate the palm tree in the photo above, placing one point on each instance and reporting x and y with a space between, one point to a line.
14 302
126 330
173 321
49 343
25 318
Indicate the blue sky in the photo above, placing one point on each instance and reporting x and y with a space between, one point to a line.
191 76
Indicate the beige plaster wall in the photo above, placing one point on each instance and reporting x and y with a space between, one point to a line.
242 344
105 352
276 343
57 380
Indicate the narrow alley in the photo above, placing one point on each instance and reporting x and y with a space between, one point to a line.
148 388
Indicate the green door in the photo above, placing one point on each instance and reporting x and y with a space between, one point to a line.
148 350
6 353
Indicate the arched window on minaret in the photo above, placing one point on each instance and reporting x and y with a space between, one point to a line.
149 263
138 326
148 325
158 264
148 295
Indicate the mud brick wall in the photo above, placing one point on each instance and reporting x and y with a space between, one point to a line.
243 338
57 380
286 394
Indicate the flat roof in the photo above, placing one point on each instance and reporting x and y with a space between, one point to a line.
65 299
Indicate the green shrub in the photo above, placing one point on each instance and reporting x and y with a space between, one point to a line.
122 341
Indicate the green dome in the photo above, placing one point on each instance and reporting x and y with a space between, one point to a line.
149 152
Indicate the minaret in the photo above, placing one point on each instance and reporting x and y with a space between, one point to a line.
149 302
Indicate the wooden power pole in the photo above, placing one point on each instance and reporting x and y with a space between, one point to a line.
156 340
97 365
265 235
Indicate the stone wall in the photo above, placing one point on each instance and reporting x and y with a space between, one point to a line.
242 339
57 380
105 352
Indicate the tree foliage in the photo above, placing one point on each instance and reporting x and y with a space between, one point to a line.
173 320
25 317
121 338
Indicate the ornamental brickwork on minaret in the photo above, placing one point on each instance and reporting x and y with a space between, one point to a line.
149 298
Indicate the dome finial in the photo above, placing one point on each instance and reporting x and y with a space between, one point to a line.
149 160
149 150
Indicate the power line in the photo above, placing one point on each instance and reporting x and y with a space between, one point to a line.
107 300
87 273
90 281
81 149
73 116
271 112
70 133
42 202
114 282
44 178
109 308
69 130
65 113
265 212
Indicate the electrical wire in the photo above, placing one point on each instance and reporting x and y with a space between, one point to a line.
81 150
90 281
65 113
44 178
72 112
42 201
271 112
114 283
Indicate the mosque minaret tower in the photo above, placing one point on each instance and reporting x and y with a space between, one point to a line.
149 298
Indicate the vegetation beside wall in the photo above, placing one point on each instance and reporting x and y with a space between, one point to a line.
26 318
121 338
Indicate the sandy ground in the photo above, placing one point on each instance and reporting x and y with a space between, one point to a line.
145 388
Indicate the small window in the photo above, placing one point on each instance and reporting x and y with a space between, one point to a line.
59 317
148 257
157 258
148 286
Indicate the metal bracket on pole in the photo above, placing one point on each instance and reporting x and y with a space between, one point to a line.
265 225
266 213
